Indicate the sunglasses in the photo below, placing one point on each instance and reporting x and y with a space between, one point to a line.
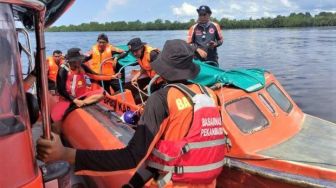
204 14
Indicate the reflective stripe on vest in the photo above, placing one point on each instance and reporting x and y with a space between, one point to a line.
75 83
145 61
199 156
164 179
189 146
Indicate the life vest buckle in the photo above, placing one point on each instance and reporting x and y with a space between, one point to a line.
178 169
185 149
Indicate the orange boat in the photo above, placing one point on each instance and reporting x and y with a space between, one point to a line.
272 143
18 111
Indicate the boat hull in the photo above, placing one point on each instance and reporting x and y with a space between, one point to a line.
256 158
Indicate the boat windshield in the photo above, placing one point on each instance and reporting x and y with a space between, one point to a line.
246 115
12 100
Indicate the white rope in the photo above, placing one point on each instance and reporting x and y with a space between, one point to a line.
140 93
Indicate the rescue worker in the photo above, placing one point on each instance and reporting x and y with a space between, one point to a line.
71 82
100 52
54 62
206 36
169 119
145 55
72 87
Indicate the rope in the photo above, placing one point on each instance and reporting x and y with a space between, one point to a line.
140 93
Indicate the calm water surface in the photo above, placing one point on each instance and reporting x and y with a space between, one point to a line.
303 59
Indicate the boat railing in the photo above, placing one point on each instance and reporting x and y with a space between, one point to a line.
120 70
27 48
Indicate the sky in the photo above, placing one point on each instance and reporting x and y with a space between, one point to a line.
85 11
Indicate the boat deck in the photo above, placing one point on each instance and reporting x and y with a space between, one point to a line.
315 145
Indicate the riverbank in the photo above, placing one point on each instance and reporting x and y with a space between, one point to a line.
292 20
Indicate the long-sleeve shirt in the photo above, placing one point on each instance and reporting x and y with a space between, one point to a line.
151 128
61 80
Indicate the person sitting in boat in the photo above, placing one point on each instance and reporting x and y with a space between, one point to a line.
100 52
145 55
72 87
54 62
170 120
206 36
71 82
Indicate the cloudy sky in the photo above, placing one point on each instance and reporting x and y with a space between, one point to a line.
84 11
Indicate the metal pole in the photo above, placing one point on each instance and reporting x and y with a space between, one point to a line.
40 62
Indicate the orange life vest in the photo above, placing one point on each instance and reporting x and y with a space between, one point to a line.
145 61
195 154
98 58
52 68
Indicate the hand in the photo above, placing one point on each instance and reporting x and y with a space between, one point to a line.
134 80
202 53
50 150
122 55
117 76
212 44
146 87
114 62
78 102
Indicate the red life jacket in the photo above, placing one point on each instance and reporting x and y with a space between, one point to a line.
199 156
75 83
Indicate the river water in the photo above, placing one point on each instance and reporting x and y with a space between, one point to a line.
303 59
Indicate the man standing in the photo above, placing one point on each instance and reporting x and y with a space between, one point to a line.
100 52
206 36
170 120
54 62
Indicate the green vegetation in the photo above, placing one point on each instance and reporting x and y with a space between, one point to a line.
293 20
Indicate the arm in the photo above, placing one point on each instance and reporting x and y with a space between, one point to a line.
219 36
62 76
87 58
87 69
190 37
191 40
29 80
135 78
153 55
146 135
116 50
93 98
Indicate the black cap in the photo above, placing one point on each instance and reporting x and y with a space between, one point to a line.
175 62
102 36
74 54
135 44
204 9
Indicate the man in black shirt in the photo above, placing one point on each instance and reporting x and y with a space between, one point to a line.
206 36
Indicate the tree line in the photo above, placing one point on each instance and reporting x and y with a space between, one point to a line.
293 20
